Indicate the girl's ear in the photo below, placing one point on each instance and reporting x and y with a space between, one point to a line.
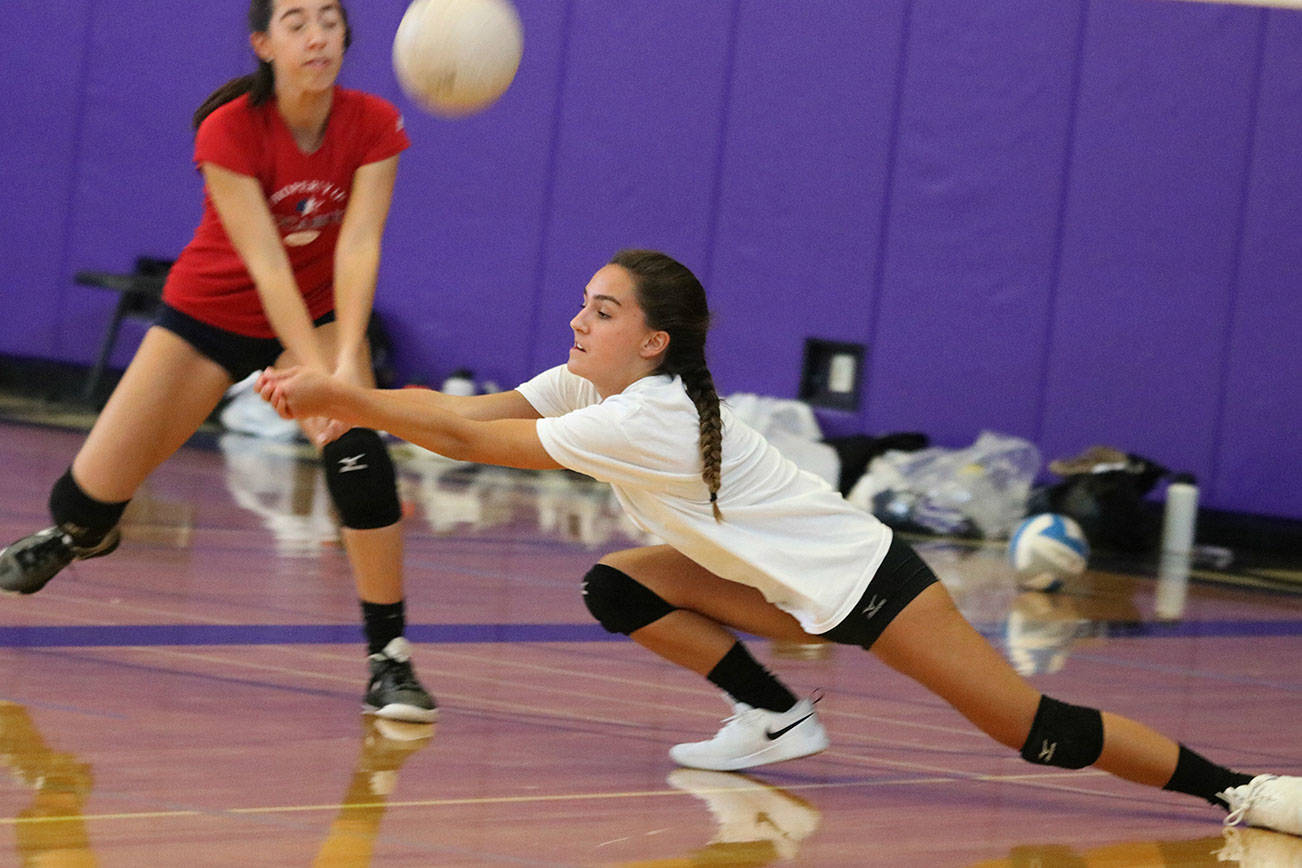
259 42
655 343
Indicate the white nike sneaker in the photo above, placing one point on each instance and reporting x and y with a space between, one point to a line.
755 737
1268 802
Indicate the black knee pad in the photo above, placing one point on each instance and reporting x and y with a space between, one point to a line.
620 603
81 516
359 474
1066 736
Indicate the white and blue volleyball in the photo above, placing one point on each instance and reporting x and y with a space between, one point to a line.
1046 549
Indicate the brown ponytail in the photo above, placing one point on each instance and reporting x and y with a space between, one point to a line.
673 301
259 86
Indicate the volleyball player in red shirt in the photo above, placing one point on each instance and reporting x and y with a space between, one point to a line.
298 175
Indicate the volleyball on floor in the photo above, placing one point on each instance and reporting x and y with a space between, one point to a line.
456 57
1045 549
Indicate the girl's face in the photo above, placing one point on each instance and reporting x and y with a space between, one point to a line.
613 346
304 43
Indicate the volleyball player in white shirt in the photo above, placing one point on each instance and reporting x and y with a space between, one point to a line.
751 544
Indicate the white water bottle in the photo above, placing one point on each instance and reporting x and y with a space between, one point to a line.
1180 517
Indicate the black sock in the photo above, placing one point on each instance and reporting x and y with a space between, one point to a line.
740 676
1196 776
383 622
81 516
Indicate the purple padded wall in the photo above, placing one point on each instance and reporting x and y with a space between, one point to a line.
967 271
1258 443
638 134
803 180
136 191
38 145
1154 206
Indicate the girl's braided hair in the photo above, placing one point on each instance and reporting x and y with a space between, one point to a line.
673 301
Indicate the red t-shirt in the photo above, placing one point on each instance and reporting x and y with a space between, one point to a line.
307 195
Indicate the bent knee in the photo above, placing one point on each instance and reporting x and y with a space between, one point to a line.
619 602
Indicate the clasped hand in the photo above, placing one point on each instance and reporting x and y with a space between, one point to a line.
303 394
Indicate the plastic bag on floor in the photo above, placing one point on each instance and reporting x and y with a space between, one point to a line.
979 491
792 429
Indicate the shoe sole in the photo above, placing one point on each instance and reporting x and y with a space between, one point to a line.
399 711
26 591
403 733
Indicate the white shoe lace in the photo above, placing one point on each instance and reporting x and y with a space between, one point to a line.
1255 793
740 713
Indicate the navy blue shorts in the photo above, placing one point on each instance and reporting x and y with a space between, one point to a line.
901 577
240 355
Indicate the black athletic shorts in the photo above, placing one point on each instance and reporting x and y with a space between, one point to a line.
901 577
240 355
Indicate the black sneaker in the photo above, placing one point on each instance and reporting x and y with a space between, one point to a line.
25 566
394 692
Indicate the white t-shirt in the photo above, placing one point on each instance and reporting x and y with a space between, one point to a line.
784 532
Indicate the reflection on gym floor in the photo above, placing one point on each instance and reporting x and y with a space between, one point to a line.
281 483
1242 846
386 745
757 824
50 830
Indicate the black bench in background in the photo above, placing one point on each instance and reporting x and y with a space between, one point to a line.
140 293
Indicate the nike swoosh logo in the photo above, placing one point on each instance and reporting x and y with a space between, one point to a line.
773 736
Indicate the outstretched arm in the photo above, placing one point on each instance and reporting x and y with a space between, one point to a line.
495 405
496 429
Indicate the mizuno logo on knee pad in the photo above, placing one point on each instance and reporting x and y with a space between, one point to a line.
1064 735
367 499
352 462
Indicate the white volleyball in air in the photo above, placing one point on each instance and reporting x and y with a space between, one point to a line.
1045 549
456 57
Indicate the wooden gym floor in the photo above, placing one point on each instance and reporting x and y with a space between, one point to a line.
193 699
